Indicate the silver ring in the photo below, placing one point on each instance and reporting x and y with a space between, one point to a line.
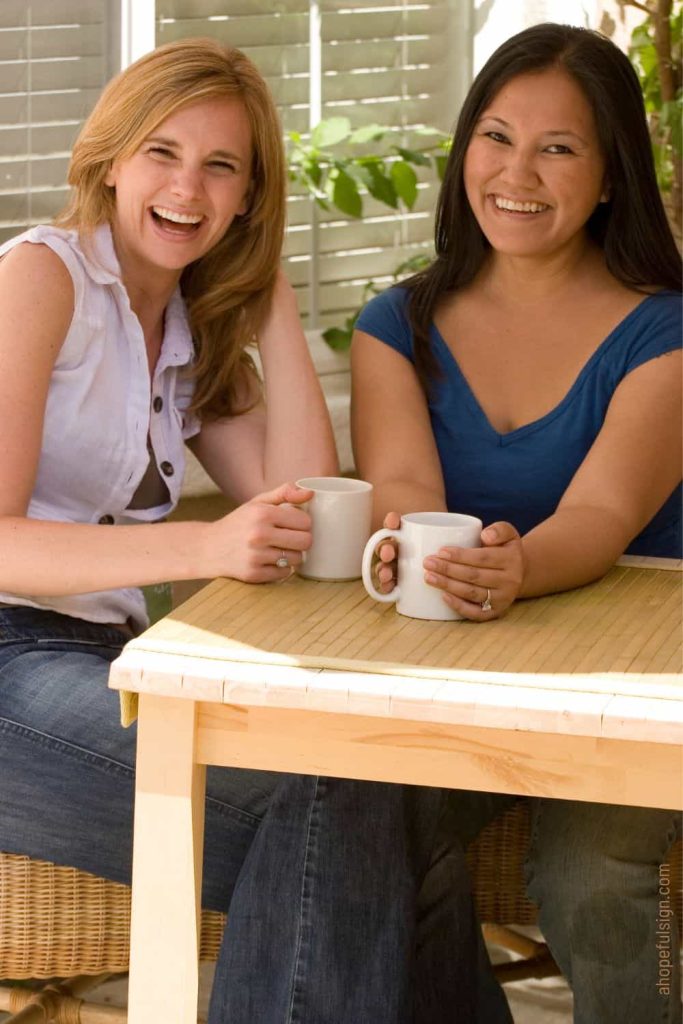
486 605
283 561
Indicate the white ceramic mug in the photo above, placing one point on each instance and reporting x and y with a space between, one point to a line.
421 534
341 514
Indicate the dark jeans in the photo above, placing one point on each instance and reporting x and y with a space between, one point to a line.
347 902
605 910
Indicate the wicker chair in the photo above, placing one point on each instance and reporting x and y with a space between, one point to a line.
60 923
57 922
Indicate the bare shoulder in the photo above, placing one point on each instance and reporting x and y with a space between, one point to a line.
36 294
34 264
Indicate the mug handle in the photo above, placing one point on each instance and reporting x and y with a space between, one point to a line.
394 594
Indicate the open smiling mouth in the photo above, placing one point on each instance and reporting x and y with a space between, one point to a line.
181 224
511 206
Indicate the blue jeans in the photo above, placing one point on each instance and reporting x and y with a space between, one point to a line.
593 870
348 902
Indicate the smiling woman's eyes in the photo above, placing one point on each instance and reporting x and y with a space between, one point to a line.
161 151
558 147
496 136
222 166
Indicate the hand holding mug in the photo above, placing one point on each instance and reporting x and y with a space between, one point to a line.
470 578
262 540
421 534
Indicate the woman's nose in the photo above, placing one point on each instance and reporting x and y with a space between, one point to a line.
520 168
186 181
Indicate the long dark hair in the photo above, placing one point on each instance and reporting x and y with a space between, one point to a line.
631 228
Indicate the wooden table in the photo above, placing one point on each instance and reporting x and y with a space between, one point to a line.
578 695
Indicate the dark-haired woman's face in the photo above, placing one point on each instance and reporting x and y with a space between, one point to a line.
534 171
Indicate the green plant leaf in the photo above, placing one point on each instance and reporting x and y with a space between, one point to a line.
330 131
414 156
313 170
440 164
338 338
368 133
379 184
344 193
404 179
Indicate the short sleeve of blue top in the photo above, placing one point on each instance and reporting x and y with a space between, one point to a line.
521 476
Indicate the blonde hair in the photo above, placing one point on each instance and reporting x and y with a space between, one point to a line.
228 290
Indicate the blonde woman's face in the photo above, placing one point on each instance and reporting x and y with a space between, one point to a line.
179 192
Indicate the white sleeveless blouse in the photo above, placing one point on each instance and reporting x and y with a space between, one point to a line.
101 409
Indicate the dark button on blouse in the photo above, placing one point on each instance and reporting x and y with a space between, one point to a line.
158 403
167 469
106 520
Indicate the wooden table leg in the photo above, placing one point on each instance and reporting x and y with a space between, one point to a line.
167 865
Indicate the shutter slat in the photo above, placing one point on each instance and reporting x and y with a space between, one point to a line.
16 13
53 64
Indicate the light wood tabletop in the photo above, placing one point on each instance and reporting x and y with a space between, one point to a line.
577 695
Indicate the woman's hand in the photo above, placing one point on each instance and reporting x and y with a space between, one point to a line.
247 543
471 577
387 553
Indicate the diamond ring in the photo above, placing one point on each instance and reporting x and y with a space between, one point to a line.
486 605
283 561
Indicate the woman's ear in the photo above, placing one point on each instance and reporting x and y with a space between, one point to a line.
246 200
110 177
606 193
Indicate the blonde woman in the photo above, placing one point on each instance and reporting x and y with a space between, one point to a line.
124 335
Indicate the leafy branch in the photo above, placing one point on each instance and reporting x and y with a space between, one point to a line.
339 165
656 54
339 338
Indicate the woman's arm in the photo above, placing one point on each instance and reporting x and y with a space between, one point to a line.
631 469
629 472
47 558
287 436
392 437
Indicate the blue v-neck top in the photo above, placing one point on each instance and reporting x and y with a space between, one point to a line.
520 476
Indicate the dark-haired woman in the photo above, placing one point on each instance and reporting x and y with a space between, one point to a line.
531 377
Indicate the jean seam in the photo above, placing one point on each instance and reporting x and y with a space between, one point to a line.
108 765
43 739
298 974
536 810
230 811
23 638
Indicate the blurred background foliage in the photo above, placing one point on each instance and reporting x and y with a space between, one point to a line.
338 164
656 53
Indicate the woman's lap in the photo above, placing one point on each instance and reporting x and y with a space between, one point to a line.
68 780
67 764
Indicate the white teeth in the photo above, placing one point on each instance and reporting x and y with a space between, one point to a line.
509 204
178 218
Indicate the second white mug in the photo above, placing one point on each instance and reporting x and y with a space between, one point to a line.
341 513
421 534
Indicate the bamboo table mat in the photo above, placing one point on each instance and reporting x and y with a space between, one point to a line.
621 634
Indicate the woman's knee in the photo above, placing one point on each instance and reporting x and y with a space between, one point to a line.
582 848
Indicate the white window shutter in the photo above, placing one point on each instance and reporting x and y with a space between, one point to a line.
54 59
384 61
